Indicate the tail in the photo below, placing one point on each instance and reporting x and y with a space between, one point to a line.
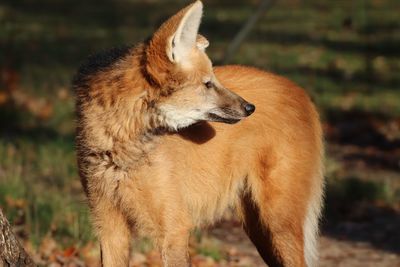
311 222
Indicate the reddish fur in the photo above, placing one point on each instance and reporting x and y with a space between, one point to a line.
164 184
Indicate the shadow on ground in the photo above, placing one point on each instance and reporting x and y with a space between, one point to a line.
351 216
357 209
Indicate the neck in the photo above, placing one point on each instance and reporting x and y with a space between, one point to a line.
130 120
144 127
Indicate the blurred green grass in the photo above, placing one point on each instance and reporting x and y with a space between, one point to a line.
344 53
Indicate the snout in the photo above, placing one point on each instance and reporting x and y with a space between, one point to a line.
231 108
248 108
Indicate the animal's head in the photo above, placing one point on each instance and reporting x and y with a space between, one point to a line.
181 70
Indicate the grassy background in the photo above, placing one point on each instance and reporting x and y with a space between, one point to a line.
344 53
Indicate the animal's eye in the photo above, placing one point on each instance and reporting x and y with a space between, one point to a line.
209 84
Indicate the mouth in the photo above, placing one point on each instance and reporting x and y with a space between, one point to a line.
217 118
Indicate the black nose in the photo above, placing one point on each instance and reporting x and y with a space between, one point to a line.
249 108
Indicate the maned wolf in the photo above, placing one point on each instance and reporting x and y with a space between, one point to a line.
154 156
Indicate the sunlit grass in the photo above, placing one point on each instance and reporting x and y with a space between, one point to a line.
40 190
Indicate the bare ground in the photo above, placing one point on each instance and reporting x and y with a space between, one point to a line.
334 251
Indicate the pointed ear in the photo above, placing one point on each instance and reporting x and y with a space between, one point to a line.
202 42
183 40
173 42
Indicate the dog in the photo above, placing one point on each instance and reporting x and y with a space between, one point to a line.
166 142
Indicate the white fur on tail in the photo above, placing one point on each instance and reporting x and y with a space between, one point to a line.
311 224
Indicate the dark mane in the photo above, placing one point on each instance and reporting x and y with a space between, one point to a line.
99 62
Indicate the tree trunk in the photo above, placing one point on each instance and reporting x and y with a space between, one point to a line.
12 254
245 30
